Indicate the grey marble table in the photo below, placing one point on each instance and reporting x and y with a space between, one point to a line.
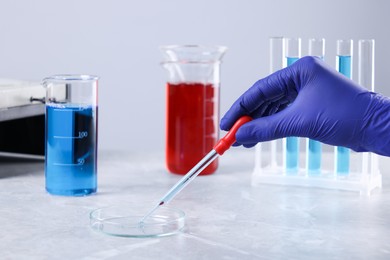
226 217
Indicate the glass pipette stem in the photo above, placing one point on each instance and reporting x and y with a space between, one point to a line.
183 182
222 146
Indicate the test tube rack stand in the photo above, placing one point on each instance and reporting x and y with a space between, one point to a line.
363 178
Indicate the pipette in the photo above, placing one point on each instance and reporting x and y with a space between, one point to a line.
222 145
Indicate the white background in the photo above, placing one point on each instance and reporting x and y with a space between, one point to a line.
118 40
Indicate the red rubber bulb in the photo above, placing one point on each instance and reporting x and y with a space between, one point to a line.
230 138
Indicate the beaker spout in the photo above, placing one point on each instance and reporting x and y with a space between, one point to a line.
192 53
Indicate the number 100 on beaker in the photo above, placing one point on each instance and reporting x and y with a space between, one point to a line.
71 134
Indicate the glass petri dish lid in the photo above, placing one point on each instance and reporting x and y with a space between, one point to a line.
125 221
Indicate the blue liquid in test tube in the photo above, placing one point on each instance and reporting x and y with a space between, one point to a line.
292 143
71 162
344 63
314 157
342 153
290 60
314 148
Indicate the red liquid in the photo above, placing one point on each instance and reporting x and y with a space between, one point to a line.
192 125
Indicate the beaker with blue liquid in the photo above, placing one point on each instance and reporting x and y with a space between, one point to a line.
71 134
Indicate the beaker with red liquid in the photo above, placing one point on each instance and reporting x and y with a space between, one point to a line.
192 105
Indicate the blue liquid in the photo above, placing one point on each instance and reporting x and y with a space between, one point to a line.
291 60
292 154
314 153
344 65
71 150
292 143
342 160
342 154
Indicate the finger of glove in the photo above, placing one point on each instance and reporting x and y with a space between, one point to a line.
246 145
269 108
269 128
249 145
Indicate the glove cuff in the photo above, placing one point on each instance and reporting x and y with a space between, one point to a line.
376 126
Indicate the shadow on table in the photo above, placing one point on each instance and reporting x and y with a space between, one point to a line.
13 166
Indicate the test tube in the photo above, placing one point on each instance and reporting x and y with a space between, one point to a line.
276 63
314 148
276 50
366 59
291 154
344 66
366 76
276 53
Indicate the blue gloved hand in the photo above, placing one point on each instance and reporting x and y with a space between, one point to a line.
311 99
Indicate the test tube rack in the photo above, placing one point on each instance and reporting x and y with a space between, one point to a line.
270 157
364 175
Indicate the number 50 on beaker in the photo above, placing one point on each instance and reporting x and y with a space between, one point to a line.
71 134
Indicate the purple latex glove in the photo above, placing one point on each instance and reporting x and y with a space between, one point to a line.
311 99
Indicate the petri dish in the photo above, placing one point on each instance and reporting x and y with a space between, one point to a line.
125 221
